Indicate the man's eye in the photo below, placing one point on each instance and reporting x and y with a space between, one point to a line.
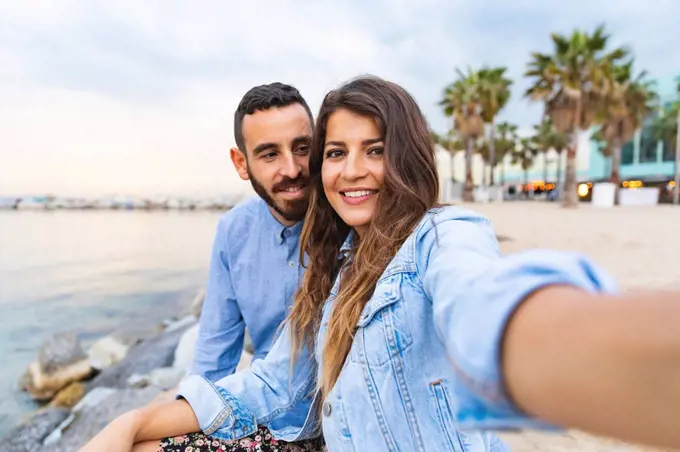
302 150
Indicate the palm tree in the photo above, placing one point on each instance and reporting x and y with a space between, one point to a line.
462 102
543 133
505 143
494 90
524 155
572 82
626 105
666 128
452 144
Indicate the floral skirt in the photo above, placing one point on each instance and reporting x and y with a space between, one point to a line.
260 441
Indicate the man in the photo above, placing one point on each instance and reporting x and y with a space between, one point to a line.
255 270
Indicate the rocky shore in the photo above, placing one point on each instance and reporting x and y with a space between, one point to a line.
82 391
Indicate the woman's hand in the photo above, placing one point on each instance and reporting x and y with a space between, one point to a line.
118 436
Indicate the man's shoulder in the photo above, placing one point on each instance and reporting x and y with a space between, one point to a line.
245 214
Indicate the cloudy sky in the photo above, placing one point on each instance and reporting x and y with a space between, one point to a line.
137 97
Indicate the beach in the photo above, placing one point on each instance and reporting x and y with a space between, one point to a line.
639 246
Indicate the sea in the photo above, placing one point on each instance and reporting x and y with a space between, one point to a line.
90 272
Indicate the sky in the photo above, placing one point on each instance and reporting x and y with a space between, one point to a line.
106 97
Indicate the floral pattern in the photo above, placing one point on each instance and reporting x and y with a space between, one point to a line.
260 441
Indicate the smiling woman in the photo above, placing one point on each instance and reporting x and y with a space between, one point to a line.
353 167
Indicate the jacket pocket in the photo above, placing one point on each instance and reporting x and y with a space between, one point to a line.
454 437
382 330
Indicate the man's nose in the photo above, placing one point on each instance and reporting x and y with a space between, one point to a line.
291 168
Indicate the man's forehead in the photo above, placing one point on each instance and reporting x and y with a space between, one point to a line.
279 125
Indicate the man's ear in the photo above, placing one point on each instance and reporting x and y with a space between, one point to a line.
240 162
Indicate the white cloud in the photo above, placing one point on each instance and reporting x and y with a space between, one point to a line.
138 96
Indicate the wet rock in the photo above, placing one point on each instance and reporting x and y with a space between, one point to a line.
61 361
59 351
28 437
69 396
143 359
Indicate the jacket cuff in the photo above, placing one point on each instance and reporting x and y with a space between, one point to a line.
218 412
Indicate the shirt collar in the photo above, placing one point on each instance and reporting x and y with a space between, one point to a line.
347 245
281 232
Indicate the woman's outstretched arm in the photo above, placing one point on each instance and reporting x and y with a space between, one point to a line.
607 364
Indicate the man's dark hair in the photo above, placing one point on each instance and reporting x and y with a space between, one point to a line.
264 97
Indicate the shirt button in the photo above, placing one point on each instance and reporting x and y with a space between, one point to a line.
326 409
291 264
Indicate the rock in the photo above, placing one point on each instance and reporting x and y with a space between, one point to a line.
184 354
163 378
92 418
142 359
44 386
28 437
59 351
181 323
61 361
110 349
90 401
197 304
69 396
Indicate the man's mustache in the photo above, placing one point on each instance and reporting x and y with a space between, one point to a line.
301 181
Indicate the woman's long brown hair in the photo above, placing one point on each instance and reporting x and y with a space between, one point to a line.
410 189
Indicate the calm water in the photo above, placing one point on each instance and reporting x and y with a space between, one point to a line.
90 272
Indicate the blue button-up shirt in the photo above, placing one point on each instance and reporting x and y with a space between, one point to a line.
424 369
254 273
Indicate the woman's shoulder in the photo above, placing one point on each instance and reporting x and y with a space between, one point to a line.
449 216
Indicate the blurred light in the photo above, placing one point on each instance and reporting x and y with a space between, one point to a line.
625 184
671 184
583 190
590 185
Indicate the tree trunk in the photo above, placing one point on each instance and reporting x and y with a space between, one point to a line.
467 191
492 151
545 167
485 175
615 177
503 172
570 196
559 168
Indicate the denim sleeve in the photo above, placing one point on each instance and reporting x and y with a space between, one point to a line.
474 291
234 406
222 328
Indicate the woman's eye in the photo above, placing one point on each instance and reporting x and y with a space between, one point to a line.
377 150
333 153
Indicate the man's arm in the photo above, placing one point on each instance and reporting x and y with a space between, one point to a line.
221 330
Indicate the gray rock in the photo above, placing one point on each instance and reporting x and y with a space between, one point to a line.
28 437
91 400
184 353
142 359
92 419
61 350
182 323
110 349
164 378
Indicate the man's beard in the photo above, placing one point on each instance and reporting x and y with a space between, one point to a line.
293 210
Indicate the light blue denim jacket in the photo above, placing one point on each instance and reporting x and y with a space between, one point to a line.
424 369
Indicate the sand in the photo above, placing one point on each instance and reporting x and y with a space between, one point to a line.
639 246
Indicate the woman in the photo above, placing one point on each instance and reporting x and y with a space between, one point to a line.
428 338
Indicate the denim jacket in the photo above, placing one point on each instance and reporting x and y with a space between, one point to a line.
424 370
